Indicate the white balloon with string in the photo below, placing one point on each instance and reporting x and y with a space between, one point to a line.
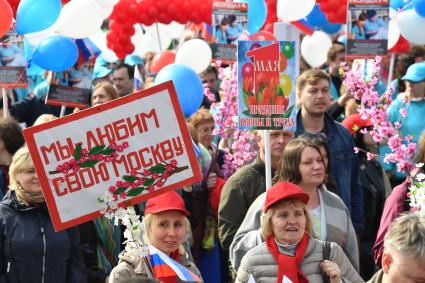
194 53
315 47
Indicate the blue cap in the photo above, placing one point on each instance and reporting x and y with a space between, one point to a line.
133 59
415 73
100 72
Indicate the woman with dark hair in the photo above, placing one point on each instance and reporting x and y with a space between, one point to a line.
302 164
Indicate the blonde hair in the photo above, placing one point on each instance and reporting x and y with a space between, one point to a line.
311 77
152 218
201 116
43 118
267 226
21 161
109 88
406 236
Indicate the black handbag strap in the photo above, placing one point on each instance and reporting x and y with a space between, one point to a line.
326 256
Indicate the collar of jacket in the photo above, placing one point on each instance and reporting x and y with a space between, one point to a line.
260 166
330 126
11 200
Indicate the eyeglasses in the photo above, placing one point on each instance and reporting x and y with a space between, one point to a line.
320 137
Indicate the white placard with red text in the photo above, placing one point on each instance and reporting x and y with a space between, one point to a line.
138 145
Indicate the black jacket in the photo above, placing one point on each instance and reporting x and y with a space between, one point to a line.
30 248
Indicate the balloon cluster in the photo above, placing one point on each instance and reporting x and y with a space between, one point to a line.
127 13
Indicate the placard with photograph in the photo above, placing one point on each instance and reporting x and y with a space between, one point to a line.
72 97
13 77
230 22
367 28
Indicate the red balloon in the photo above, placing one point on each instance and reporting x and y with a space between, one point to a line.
247 71
254 46
263 35
6 17
161 60
402 46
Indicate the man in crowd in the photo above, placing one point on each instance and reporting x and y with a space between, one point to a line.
246 184
210 78
122 78
313 93
403 259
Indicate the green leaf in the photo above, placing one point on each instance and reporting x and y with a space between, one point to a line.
135 192
259 98
88 163
97 149
148 182
159 168
288 112
247 113
279 91
244 97
100 200
77 152
108 151
129 178
120 190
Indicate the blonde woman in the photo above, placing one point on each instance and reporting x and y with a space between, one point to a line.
166 229
30 249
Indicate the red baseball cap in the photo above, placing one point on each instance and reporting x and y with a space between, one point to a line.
164 202
284 190
354 122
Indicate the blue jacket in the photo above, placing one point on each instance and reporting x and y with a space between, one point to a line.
345 169
31 250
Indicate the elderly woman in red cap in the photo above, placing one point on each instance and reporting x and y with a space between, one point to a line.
289 254
166 228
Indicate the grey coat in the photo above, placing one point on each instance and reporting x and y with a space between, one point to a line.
339 229
132 266
260 263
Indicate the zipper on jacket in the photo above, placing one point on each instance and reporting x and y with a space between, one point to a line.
44 253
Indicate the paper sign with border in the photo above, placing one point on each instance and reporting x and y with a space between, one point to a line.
68 96
134 140
13 77
266 85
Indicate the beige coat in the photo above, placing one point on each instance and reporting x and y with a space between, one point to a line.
132 266
260 263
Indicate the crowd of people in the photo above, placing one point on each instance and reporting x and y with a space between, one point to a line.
332 215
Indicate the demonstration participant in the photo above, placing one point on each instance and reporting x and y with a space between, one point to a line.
289 253
166 228
31 251
403 259
103 92
302 163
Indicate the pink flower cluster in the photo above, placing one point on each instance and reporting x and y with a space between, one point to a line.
153 178
86 157
225 116
375 108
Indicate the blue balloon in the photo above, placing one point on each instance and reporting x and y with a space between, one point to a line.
419 7
316 17
330 27
188 86
257 13
36 15
55 53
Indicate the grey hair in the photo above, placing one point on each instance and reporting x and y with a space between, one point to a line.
406 236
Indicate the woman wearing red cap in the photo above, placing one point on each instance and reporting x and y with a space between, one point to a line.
289 254
166 228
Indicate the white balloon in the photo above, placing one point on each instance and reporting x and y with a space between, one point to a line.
194 53
107 3
293 10
35 38
411 26
393 33
315 47
80 18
